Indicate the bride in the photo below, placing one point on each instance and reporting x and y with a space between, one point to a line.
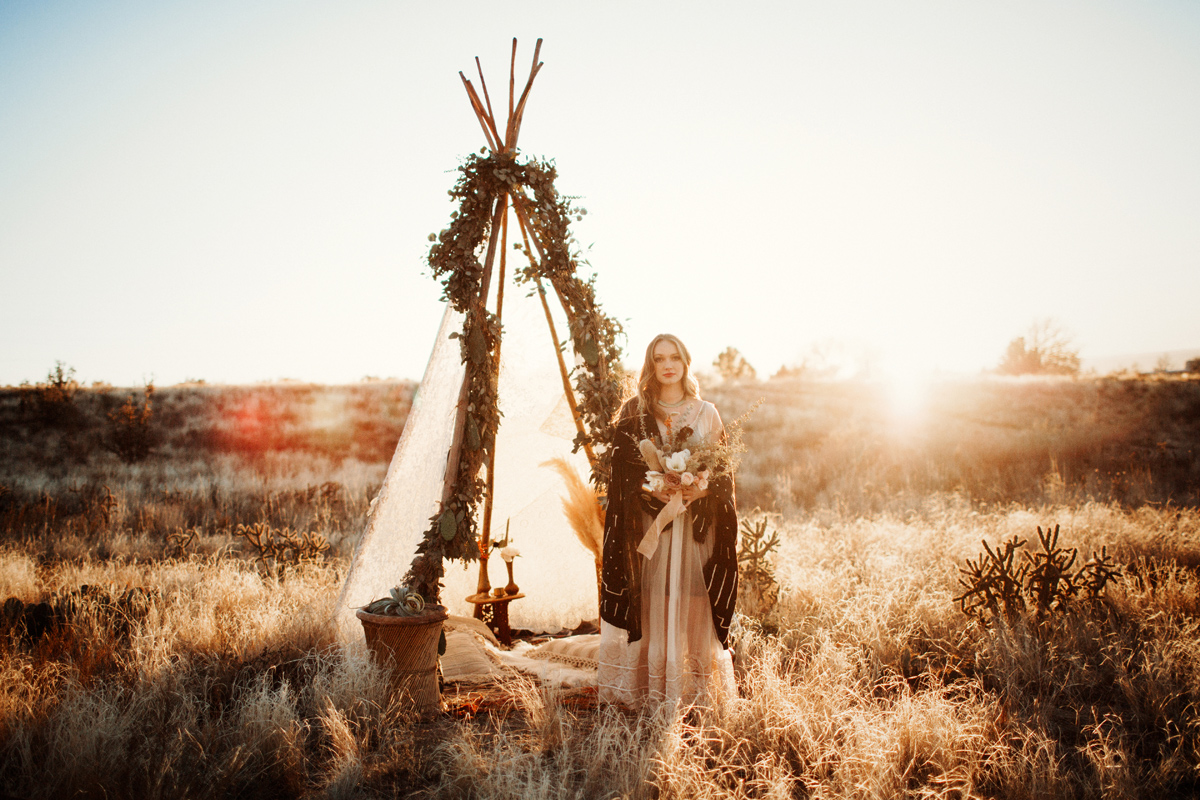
665 611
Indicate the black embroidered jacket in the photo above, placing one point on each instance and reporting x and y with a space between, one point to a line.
714 515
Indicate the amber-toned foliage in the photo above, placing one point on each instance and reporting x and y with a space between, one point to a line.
359 421
137 667
294 456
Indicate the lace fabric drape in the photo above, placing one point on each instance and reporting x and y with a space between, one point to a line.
556 574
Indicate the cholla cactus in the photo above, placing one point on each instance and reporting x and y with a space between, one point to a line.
758 591
402 602
995 584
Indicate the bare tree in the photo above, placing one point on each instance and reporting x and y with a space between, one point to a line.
733 365
1046 349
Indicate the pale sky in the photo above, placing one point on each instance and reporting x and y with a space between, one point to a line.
243 190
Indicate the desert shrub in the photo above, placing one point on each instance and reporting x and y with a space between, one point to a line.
53 400
130 435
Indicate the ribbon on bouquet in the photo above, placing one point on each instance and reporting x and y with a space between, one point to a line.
670 511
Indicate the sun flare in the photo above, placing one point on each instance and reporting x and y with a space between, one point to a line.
907 392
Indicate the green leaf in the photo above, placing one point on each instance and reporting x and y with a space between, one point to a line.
588 349
476 346
447 526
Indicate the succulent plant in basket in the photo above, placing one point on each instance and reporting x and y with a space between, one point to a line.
405 635
402 601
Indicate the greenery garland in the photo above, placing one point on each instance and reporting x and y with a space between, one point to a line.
454 260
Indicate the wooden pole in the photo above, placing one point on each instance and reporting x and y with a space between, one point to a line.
483 85
523 219
481 114
487 121
460 420
562 364
485 537
519 113
509 134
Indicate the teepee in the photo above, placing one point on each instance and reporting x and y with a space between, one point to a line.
496 402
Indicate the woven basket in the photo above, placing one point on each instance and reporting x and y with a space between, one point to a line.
408 648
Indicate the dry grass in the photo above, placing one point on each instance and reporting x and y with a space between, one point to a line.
865 681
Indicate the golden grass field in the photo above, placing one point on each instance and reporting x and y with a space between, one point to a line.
178 666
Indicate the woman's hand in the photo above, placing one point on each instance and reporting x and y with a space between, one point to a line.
690 493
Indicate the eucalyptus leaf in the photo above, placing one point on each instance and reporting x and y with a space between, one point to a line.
447 525
476 346
589 350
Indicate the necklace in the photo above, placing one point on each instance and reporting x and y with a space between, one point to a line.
665 404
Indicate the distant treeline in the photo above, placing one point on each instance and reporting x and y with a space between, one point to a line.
811 444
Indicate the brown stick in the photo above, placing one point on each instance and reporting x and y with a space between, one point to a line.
484 115
493 237
519 114
460 421
485 118
509 133
562 364
480 114
488 100
523 219
566 379
485 537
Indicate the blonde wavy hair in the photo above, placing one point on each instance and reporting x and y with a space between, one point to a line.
647 386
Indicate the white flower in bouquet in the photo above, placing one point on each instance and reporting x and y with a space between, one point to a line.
678 462
509 553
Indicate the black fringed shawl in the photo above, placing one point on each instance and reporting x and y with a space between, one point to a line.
714 515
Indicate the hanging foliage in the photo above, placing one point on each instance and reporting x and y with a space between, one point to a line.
454 259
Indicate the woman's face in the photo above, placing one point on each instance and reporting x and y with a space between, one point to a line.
668 363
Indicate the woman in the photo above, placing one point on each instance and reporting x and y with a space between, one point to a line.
666 610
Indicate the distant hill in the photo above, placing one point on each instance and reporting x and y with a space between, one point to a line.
1142 362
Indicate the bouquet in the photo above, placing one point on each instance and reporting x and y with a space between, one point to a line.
670 472
683 460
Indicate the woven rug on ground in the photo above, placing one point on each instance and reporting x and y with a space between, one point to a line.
568 663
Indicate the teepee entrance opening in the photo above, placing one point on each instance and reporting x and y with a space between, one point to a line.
500 412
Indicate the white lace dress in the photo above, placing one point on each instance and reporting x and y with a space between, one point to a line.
678 658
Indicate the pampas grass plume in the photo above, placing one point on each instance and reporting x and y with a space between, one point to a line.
581 506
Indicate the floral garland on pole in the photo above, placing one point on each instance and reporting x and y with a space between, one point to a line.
484 181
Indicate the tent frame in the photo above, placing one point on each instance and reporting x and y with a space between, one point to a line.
592 333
